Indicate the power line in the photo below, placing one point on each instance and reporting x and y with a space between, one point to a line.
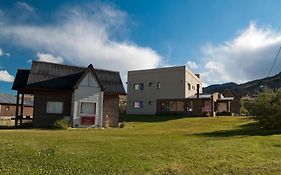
274 62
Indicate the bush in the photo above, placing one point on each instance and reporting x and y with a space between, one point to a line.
122 124
61 124
266 109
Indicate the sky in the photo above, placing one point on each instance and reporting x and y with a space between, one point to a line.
224 41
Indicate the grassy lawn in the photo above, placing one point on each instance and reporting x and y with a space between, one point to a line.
146 145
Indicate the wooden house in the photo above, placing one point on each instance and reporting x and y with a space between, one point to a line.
86 96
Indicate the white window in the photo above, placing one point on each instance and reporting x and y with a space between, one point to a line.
138 104
54 107
88 108
138 87
158 85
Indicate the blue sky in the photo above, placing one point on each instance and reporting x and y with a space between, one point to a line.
223 40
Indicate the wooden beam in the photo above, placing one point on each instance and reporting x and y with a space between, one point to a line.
228 106
21 109
17 109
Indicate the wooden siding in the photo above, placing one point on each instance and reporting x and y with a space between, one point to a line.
87 91
40 117
111 110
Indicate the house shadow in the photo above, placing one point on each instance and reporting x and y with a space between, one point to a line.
250 129
150 118
23 126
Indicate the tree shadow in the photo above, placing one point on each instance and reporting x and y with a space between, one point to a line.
150 118
250 129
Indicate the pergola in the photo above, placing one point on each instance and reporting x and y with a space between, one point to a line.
20 86
20 104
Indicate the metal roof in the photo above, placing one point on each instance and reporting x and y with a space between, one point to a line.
10 99
44 75
201 96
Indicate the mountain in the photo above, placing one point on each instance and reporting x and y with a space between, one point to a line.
249 88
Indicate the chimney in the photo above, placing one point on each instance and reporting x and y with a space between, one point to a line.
197 93
198 75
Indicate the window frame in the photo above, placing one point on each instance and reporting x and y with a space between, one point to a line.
95 109
141 104
140 87
158 86
50 112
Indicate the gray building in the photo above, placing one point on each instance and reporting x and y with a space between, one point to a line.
144 87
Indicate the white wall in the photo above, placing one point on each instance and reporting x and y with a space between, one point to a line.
87 91
172 85
173 82
193 80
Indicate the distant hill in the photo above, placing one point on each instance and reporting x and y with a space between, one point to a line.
249 88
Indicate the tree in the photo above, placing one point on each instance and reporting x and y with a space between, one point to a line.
266 109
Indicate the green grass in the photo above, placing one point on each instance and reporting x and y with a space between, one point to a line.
146 145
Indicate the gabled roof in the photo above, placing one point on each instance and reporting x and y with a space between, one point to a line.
21 77
234 95
90 69
44 75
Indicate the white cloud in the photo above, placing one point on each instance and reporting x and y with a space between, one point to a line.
49 58
246 57
25 6
86 35
5 76
2 53
192 65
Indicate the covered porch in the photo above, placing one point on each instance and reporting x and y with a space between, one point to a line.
202 105
20 86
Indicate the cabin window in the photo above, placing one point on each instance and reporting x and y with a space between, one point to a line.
138 87
88 108
54 107
7 108
138 104
158 85
150 84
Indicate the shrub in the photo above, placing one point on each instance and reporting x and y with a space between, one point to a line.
61 124
266 109
243 109
122 124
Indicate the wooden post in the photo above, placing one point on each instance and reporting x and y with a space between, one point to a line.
228 106
17 109
21 109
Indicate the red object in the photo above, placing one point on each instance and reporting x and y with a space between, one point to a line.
88 120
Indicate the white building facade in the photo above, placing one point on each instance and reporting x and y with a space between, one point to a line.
144 87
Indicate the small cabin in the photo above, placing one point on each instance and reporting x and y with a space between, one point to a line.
85 96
